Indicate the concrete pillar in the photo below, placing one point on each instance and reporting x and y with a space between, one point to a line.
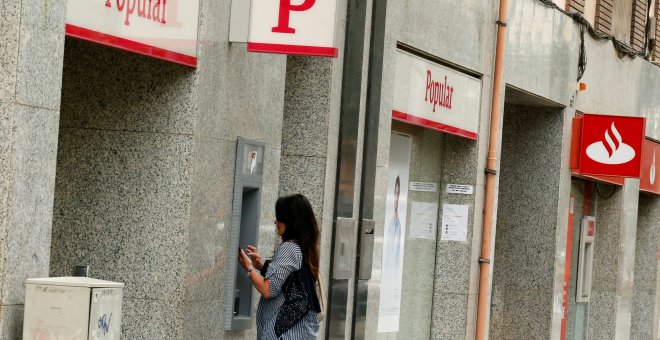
309 141
646 268
31 48
626 270
614 258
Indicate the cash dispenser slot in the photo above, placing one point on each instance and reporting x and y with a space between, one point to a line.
246 204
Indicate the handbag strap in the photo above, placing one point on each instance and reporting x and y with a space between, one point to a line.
321 302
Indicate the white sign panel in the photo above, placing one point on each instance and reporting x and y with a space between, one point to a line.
165 29
424 186
460 189
423 220
454 222
303 27
435 96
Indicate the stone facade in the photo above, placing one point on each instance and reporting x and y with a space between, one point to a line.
126 163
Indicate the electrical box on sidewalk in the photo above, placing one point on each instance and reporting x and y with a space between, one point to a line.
76 308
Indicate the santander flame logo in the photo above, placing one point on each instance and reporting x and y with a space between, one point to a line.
611 150
652 174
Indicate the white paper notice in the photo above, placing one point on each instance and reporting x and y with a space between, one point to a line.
460 189
423 220
424 186
454 222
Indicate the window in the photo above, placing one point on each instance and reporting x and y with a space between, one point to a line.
560 3
622 19
590 11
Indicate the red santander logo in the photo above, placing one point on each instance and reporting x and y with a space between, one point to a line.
612 145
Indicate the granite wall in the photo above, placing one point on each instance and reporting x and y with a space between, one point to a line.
309 142
122 191
145 174
31 49
578 312
606 242
528 224
646 264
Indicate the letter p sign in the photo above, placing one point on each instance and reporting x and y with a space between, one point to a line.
285 9
300 27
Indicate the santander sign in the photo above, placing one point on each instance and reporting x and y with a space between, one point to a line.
612 149
611 145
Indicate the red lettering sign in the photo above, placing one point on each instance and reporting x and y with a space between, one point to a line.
304 27
145 9
438 92
285 10
611 145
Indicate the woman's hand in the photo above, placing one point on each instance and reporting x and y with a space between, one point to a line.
262 285
244 260
257 262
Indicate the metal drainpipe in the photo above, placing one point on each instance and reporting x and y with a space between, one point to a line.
483 304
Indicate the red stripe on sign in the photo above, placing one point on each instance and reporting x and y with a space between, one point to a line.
315 51
129 45
398 115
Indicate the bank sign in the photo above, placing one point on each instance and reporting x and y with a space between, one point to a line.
436 97
611 145
302 27
164 29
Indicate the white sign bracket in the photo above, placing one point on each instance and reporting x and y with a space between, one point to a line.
239 21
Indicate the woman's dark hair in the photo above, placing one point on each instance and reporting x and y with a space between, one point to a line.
297 214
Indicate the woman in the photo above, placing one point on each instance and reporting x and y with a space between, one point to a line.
288 304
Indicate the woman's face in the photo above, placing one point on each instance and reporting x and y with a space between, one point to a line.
281 227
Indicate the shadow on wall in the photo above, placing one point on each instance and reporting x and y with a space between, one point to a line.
106 88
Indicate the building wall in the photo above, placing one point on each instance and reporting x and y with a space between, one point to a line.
464 39
309 141
602 321
527 224
146 152
578 312
542 54
146 163
30 82
646 263
145 170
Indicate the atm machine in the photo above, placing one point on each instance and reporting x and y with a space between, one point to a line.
245 217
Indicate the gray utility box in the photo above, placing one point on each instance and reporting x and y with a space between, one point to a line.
76 308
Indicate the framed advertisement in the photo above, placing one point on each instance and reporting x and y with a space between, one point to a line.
394 233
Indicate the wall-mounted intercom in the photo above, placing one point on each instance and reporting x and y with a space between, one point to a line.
585 259
248 179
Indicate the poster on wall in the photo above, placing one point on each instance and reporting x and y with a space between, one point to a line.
394 234
454 222
423 220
